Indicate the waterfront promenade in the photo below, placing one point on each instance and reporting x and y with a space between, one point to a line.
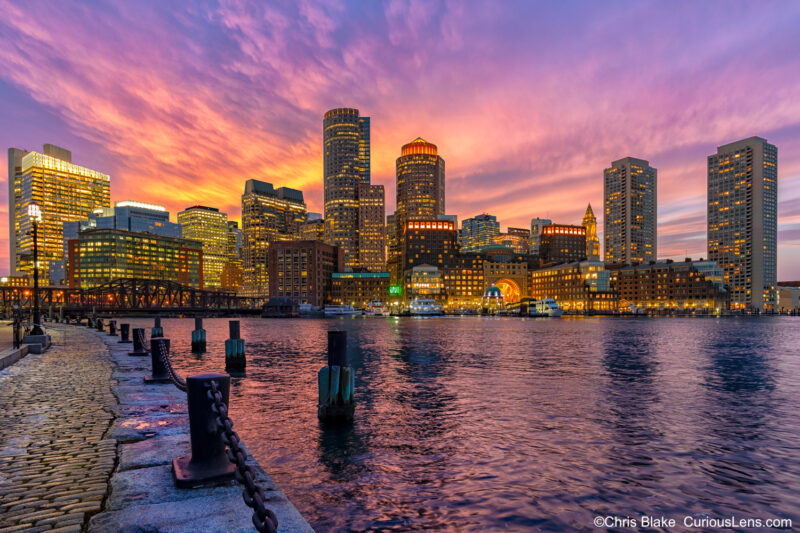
86 446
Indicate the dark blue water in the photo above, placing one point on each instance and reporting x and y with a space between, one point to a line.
483 424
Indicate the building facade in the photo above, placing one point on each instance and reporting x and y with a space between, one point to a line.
313 230
359 288
210 227
64 191
630 208
479 232
371 228
269 215
592 241
743 220
98 256
346 162
303 270
429 242
580 287
561 243
537 224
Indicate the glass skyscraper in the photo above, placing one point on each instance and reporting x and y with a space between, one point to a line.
630 224
743 220
479 232
210 227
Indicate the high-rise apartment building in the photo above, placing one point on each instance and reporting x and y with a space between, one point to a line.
592 241
210 227
64 192
420 182
630 224
345 145
562 243
536 233
743 220
234 251
371 228
479 232
268 215
302 271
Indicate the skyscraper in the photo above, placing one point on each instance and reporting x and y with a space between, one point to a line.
420 182
479 232
345 140
268 215
592 242
630 224
371 228
210 227
537 224
743 220
234 241
64 191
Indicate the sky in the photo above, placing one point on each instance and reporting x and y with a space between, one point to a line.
528 102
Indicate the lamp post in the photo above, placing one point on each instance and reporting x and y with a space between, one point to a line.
35 214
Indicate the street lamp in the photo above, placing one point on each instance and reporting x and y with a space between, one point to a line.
35 214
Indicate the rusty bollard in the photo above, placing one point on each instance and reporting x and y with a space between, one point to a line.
160 373
138 342
124 333
208 462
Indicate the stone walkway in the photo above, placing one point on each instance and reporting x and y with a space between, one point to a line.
56 456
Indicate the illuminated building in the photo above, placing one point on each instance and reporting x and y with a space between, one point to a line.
506 270
425 281
479 232
742 220
268 215
578 287
234 251
523 233
371 228
98 256
516 242
64 191
690 285
346 156
313 230
360 288
629 225
231 276
210 227
788 299
537 224
592 241
464 283
561 243
15 281
302 271
429 242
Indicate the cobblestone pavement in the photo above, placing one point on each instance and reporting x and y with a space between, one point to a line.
55 417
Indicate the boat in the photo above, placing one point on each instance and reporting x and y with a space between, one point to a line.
377 308
341 310
424 307
544 307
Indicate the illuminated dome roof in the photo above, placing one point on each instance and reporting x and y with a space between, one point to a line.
493 292
419 146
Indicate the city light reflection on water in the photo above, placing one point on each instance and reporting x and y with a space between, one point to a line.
518 424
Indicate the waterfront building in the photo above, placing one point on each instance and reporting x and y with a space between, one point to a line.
426 282
100 255
464 283
479 232
313 230
420 182
429 242
360 288
209 226
230 278
561 243
592 241
537 224
63 190
371 228
630 202
268 215
579 287
668 285
743 220
516 242
788 299
346 162
508 271
302 271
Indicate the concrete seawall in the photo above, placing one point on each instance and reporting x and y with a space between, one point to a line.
151 428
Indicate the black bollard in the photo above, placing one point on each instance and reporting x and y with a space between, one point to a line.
138 342
157 330
124 333
112 328
234 348
336 382
208 462
337 348
198 336
99 324
160 373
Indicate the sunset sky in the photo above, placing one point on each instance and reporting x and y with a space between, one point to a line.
181 102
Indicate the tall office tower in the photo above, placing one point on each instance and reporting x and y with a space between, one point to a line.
592 241
743 220
630 224
371 229
268 215
210 227
420 182
562 244
537 224
234 241
479 232
64 191
345 140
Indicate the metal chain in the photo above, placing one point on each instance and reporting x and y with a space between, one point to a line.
254 496
176 379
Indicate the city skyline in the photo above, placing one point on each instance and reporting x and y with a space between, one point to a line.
521 138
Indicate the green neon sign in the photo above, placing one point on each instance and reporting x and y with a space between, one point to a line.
395 289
